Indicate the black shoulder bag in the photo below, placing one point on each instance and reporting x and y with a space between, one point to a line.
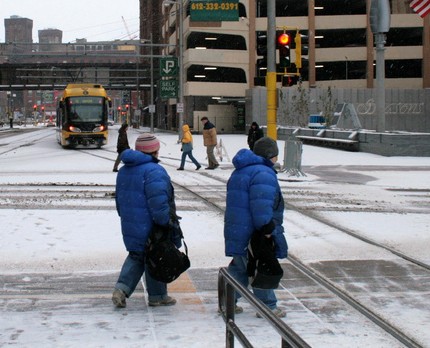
263 267
164 261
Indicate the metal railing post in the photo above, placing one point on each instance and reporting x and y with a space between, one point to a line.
227 287
230 303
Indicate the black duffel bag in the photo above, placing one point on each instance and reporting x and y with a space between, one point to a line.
164 261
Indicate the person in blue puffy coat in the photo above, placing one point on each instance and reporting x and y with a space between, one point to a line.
254 203
144 197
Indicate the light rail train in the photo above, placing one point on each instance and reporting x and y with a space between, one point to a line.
82 116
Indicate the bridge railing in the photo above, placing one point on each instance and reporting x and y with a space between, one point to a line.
227 286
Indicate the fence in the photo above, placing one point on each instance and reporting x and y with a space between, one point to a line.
227 286
405 109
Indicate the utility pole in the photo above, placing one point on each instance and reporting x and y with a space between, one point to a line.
271 70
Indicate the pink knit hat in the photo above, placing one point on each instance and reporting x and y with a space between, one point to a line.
147 143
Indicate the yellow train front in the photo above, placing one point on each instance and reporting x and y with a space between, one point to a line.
82 116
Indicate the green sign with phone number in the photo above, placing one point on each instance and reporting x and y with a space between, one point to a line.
214 10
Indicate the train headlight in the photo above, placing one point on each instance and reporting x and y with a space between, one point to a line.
99 129
74 129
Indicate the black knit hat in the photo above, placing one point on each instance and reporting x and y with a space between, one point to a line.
266 148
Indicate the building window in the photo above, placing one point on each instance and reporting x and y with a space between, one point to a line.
284 8
340 7
340 38
216 41
405 37
403 68
342 70
205 73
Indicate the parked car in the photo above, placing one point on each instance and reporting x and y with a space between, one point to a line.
50 122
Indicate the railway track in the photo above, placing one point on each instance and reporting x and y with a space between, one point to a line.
215 197
371 314
52 196
22 138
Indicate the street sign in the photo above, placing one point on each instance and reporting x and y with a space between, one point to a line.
214 10
169 67
180 107
168 89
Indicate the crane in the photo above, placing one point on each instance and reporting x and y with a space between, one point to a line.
128 31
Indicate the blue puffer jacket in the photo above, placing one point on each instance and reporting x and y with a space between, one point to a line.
254 199
144 196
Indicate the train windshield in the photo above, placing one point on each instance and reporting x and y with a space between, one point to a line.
85 109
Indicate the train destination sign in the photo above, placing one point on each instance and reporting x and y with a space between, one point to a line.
214 10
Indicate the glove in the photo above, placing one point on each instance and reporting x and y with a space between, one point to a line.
159 233
267 229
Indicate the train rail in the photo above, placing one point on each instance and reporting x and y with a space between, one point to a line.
29 139
340 292
56 196
213 198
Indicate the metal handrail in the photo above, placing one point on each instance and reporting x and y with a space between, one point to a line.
227 286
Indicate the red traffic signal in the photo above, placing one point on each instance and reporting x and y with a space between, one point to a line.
126 107
284 39
43 108
34 107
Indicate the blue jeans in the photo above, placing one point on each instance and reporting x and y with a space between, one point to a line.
131 273
190 155
237 268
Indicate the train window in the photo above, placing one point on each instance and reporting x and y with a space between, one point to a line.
85 109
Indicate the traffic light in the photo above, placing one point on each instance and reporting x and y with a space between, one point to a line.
126 97
127 107
304 46
298 42
289 80
34 107
283 44
43 109
261 37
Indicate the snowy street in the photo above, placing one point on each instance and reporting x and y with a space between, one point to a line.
361 220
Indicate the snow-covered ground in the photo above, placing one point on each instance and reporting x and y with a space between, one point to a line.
75 241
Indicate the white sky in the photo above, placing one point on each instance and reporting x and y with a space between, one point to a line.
39 241
93 20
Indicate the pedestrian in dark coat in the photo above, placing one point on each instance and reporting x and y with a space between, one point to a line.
144 197
255 133
254 203
122 144
210 141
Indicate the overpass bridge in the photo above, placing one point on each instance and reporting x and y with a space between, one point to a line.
117 65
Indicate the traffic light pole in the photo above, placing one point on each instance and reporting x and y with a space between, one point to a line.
380 78
271 71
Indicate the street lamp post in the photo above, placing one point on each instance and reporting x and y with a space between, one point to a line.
137 85
152 85
151 104
180 103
